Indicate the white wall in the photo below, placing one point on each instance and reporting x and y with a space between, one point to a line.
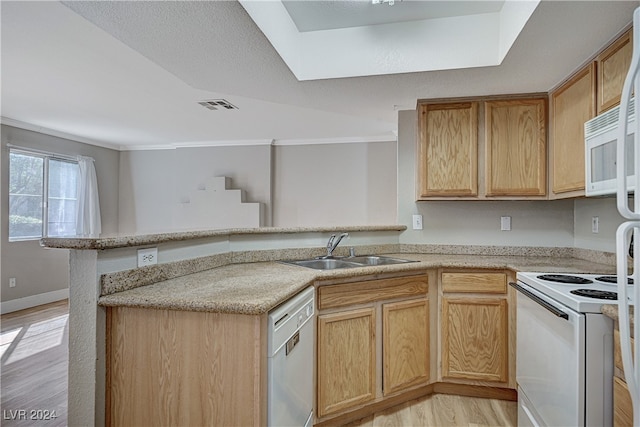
609 220
335 184
298 185
153 183
534 223
40 272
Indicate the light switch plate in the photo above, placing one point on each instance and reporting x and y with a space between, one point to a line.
147 256
417 222
505 223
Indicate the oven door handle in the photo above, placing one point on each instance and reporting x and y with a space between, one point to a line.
556 311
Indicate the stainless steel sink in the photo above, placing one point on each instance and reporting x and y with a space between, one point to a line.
378 260
350 262
324 264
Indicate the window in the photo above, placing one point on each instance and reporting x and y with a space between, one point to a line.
43 196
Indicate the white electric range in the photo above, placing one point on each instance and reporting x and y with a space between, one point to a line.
564 360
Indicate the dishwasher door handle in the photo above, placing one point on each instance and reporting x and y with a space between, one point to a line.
556 311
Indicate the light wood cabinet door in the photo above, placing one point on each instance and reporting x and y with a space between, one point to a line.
346 359
474 339
572 104
184 368
622 406
613 64
405 344
448 149
516 146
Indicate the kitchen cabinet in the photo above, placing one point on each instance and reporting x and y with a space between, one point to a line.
167 367
448 149
612 65
506 135
406 356
516 147
346 359
622 406
474 327
572 104
372 342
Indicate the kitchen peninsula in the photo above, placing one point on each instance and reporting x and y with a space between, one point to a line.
234 275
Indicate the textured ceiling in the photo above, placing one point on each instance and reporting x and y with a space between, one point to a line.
130 74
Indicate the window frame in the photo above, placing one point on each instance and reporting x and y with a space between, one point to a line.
46 158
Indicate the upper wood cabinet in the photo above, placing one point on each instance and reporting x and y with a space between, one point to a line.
451 143
613 64
516 147
447 151
572 104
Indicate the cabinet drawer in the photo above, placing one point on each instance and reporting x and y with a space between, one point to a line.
486 283
330 296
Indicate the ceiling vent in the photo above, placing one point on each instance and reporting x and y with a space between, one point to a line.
217 104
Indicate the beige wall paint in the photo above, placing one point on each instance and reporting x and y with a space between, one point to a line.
334 184
609 220
153 183
38 270
534 223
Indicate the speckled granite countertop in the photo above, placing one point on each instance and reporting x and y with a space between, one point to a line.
150 239
256 288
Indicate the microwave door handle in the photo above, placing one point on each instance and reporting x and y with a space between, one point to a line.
556 311
627 88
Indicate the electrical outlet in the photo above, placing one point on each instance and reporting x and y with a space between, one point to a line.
595 224
417 222
12 282
147 256
505 223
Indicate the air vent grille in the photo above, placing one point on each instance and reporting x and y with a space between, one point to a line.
217 104
606 121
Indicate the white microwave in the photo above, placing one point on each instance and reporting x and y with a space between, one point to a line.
601 134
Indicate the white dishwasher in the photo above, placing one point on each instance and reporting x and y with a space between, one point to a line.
290 364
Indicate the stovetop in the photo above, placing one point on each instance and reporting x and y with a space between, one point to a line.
585 293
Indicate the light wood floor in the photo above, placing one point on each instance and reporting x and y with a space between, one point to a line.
444 410
34 365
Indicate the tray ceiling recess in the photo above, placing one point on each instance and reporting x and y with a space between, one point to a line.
334 39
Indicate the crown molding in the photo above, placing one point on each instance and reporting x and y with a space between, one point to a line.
52 132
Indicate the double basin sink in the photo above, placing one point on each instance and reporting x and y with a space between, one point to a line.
348 262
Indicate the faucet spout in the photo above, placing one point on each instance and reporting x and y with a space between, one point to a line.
332 244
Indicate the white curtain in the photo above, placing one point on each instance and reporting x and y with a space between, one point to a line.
88 222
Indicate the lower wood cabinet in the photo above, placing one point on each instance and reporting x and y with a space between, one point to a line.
372 341
182 368
474 339
622 405
474 327
405 343
346 359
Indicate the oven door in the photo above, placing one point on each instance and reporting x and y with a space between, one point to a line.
550 361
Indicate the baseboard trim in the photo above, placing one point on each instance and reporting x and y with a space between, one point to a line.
33 301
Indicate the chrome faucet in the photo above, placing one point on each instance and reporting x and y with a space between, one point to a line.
332 244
